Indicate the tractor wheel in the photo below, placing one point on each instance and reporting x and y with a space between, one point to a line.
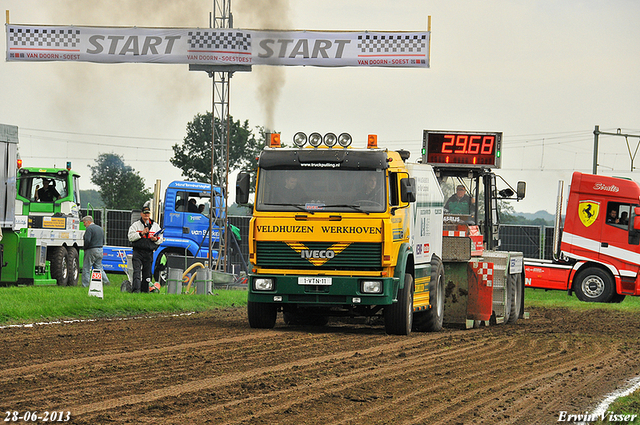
73 266
515 282
398 317
261 315
594 285
432 319
59 268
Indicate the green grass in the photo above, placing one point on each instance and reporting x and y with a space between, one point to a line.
27 304
559 299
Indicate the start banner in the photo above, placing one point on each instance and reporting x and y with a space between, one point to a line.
217 46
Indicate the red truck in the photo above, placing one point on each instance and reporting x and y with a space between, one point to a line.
597 255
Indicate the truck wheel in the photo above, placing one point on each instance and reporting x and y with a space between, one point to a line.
59 268
515 283
594 285
261 315
73 266
431 320
398 317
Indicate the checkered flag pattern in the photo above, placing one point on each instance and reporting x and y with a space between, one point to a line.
220 40
484 271
392 43
44 38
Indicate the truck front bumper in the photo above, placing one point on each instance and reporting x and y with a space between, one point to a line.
336 291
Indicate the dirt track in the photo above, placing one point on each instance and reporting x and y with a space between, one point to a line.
212 368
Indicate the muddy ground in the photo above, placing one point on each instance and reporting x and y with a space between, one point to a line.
212 368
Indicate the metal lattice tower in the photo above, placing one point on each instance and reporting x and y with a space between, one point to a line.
221 18
220 144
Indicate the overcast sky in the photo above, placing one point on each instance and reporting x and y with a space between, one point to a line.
542 72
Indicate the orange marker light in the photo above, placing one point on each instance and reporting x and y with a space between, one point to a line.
372 141
275 140
19 163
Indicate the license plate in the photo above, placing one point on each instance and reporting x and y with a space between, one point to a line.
321 281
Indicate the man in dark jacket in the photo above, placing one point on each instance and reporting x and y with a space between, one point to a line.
93 243
143 238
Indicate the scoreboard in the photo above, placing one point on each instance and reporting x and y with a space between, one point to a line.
463 149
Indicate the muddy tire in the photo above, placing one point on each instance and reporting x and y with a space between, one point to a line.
432 319
398 317
73 266
516 292
261 315
594 285
59 265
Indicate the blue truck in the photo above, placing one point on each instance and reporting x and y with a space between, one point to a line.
184 218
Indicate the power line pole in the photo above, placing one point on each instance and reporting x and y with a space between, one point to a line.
597 133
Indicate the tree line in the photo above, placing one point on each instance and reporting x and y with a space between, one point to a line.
122 187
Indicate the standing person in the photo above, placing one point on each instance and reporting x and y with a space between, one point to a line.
93 243
142 235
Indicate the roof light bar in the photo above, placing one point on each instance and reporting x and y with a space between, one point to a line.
344 140
330 139
315 139
299 139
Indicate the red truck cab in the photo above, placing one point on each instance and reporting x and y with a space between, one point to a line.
599 255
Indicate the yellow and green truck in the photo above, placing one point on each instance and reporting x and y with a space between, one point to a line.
340 231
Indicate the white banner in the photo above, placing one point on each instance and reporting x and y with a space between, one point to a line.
217 46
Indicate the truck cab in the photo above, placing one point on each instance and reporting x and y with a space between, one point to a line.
342 231
598 256
47 206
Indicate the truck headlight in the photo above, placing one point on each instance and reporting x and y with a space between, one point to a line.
371 286
263 284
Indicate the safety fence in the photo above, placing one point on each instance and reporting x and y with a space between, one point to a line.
115 224
534 241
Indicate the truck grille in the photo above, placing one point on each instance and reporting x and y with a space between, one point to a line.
354 256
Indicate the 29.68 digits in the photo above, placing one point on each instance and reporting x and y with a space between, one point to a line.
470 144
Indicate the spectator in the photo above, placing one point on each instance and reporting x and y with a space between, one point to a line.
93 243
142 235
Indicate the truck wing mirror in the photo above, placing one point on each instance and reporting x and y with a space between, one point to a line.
636 218
408 189
242 188
521 189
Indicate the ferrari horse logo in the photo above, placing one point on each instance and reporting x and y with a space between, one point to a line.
588 212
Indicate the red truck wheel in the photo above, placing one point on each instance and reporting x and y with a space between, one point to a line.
594 285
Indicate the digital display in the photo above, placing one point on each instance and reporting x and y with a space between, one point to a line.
461 149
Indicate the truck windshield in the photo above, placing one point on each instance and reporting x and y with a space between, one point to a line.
331 190
43 188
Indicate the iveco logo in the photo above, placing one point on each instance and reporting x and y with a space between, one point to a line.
316 253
